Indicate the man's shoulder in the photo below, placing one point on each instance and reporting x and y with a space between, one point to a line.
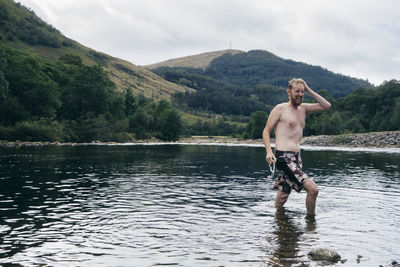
281 106
279 109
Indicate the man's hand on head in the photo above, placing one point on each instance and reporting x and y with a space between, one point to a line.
306 88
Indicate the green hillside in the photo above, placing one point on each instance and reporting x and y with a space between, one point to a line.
22 29
262 67
258 67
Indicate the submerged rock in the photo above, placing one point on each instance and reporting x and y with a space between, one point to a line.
324 254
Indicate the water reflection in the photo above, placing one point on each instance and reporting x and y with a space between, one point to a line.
288 232
311 223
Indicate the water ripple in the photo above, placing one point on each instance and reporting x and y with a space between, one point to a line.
184 206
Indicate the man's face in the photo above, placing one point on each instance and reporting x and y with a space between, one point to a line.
296 94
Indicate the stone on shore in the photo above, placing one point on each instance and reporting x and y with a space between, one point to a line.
324 254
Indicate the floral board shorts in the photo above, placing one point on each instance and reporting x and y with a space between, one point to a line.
290 176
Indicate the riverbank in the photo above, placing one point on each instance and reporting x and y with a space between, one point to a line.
389 139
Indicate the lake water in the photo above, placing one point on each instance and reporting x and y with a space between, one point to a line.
192 205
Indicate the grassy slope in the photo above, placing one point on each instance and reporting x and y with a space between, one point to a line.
200 61
123 73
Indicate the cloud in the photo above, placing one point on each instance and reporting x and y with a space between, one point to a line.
356 38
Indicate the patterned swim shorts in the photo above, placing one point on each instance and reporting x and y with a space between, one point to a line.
291 176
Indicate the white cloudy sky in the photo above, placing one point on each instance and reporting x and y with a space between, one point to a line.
359 38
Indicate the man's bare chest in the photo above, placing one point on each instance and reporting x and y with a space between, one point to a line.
293 118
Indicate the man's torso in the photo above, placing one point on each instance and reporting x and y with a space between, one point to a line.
289 129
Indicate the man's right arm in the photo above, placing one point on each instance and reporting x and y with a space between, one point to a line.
271 123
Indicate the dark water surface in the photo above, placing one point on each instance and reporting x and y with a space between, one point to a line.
191 205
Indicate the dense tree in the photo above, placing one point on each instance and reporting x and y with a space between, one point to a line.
36 93
89 91
4 90
256 125
3 82
168 125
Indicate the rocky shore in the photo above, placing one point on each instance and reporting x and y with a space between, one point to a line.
374 139
389 139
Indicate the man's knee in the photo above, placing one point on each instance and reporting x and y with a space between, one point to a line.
311 188
314 191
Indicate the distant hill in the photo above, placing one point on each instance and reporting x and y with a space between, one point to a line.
20 28
262 67
258 67
244 82
200 61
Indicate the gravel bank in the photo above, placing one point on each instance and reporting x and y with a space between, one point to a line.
376 139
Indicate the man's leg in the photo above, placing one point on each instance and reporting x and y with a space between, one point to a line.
312 193
280 199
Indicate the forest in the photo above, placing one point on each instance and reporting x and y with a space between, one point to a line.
65 100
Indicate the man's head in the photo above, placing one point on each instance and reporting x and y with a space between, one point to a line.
295 91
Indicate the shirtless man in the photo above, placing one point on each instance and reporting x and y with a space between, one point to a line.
288 121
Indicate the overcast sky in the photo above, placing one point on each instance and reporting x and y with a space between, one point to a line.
359 38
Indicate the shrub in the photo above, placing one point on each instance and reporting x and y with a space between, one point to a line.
43 129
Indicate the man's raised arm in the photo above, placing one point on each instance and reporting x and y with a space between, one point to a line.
322 103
